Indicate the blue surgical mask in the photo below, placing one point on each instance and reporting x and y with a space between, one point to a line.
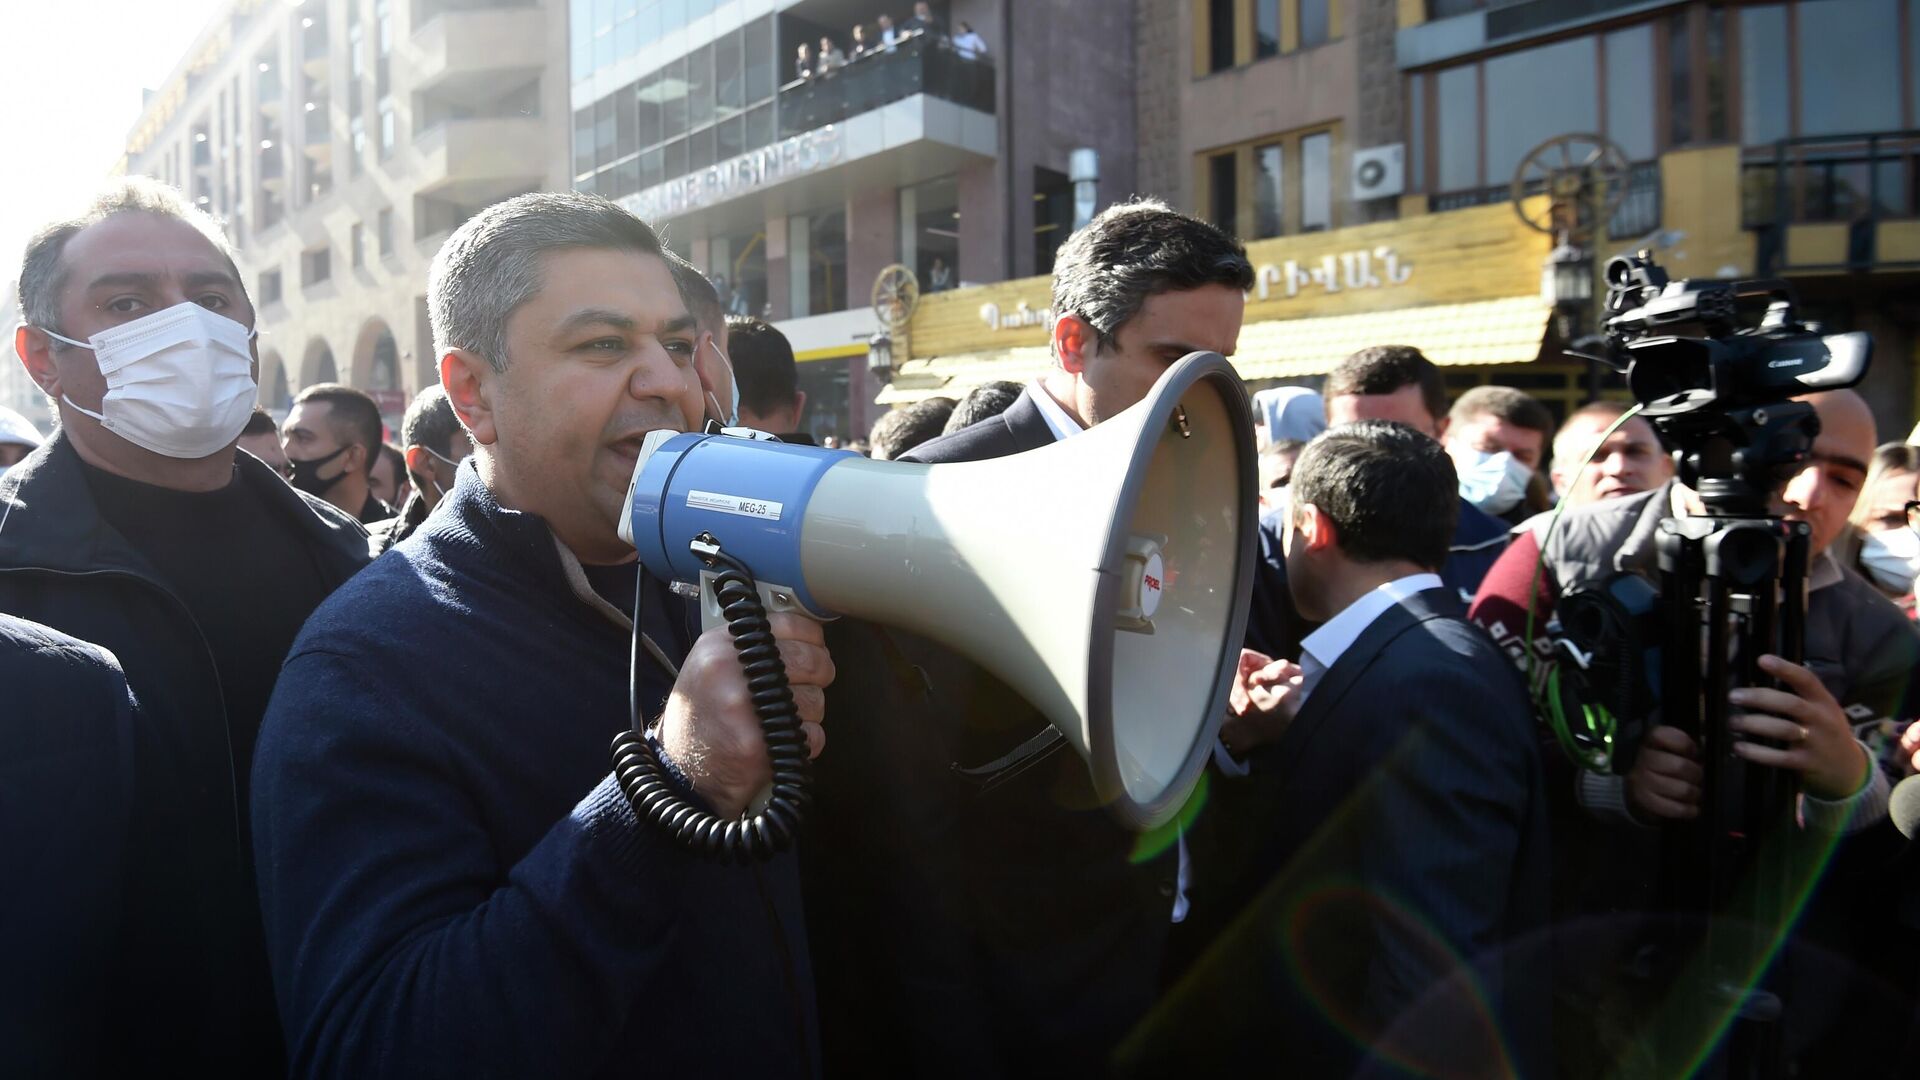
1494 481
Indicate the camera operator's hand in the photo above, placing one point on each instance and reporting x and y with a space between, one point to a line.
1262 703
710 728
1910 749
1818 741
1666 777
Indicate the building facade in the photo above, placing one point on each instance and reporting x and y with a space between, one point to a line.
795 191
1734 140
340 142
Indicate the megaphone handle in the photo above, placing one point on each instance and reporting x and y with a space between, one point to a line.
654 796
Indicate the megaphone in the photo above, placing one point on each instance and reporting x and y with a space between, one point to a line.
1106 577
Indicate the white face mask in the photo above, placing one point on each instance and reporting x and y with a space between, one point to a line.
1892 559
1494 482
179 381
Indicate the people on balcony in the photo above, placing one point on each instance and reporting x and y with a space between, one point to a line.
829 57
803 62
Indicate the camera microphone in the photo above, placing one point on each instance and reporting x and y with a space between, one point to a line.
1904 806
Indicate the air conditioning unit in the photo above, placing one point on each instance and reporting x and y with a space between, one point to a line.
1380 172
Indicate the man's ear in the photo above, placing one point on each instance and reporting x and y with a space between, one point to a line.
35 350
1316 528
799 407
419 462
1074 343
1440 427
468 380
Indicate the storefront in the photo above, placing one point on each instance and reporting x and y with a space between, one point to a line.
1462 286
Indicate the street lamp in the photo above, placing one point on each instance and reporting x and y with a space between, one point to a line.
1566 282
880 356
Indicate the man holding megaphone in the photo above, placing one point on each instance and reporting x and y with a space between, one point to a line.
452 882
976 908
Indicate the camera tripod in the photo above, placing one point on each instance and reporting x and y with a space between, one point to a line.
1735 583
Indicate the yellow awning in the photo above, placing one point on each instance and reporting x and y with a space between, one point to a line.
1507 331
953 376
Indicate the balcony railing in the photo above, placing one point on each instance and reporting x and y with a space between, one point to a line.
1637 215
1854 180
920 65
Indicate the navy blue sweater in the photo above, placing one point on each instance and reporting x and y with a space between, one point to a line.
451 883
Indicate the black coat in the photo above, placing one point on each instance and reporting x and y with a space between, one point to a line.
196 974
1407 833
66 801
1016 931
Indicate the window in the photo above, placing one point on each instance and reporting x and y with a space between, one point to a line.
316 266
1630 91
383 47
1764 90
1272 187
1458 91
1679 80
1316 22
383 229
1220 35
270 286
1268 191
827 263
357 244
1223 191
356 161
1052 216
1849 66
1316 182
1266 28
388 135
1531 93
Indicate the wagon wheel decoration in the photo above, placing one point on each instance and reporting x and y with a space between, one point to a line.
1580 174
896 292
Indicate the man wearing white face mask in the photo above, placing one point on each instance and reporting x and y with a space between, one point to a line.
138 527
1881 544
1498 438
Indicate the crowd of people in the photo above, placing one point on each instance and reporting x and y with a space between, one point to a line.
823 59
311 776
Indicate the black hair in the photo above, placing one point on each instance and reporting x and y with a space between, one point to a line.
1383 369
260 422
430 421
1134 250
354 416
763 366
1389 490
905 428
983 402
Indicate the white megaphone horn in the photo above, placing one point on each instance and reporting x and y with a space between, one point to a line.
1106 577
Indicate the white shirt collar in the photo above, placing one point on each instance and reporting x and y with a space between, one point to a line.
1059 421
1326 644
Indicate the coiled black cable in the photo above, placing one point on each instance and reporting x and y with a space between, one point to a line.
644 780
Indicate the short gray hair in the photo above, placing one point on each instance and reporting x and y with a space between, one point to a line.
491 264
42 273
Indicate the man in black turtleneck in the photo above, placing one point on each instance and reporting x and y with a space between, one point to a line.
139 528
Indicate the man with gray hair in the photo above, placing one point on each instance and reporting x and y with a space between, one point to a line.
453 882
139 528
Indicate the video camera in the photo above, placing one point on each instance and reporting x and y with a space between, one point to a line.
1714 365
1717 388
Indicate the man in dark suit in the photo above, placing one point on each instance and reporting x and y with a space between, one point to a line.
990 918
1405 859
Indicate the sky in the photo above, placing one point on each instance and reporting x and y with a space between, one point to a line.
70 91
